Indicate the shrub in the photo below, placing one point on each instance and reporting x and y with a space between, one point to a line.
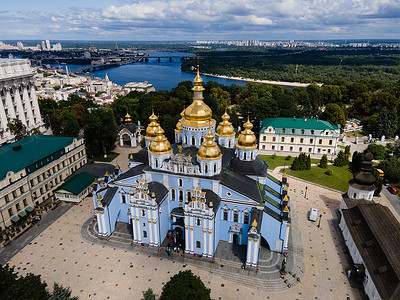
273 156
329 172
288 157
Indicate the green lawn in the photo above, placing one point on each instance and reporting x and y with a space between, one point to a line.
110 157
339 180
276 161
358 133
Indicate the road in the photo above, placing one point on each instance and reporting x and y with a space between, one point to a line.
393 199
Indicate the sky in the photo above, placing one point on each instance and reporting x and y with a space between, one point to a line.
179 20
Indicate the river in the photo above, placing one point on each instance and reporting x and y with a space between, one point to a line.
164 75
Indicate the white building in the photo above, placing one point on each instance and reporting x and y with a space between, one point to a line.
296 135
139 87
18 97
372 234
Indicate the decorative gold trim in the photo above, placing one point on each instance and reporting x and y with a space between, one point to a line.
249 240
191 228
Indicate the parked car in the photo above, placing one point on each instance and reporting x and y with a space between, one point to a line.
393 190
313 214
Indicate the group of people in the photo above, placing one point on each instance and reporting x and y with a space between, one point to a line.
174 242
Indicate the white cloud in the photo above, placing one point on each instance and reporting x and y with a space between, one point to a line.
235 19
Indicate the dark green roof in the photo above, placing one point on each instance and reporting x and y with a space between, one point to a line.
297 123
78 183
23 153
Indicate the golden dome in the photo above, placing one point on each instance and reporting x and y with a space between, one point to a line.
246 138
209 149
152 127
198 114
160 144
128 119
225 128
179 124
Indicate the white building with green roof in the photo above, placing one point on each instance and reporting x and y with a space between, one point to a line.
296 135
30 170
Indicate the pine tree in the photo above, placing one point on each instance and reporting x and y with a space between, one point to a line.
323 163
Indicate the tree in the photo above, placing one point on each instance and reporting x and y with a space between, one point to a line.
386 123
378 151
69 123
341 160
185 286
391 167
301 162
356 161
101 132
18 129
323 163
13 286
62 293
334 114
149 295
287 105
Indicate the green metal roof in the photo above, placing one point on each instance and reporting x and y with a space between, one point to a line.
297 123
22 214
15 219
23 153
29 209
78 183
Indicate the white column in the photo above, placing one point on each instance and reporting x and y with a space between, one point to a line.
35 106
230 237
248 255
155 232
135 234
210 243
18 101
3 117
10 105
254 260
28 106
139 230
103 224
99 222
205 242
187 239
191 238
121 143
285 245
150 232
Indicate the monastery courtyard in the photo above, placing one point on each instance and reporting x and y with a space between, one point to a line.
63 254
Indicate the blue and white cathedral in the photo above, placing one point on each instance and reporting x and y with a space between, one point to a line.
205 188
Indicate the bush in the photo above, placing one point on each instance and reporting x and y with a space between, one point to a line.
329 172
288 157
378 151
341 160
323 163
302 162
273 156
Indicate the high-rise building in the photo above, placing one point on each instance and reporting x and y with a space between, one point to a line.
18 97
20 46
48 46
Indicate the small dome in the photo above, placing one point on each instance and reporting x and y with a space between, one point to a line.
246 138
128 119
179 124
198 82
209 148
152 127
225 128
160 144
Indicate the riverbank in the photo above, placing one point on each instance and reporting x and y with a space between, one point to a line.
281 83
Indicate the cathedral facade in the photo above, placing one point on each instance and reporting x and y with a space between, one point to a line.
205 188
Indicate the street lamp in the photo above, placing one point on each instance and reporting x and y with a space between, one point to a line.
319 222
305 193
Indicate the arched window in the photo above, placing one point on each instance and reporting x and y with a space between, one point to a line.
186 140
173 198
229 143
251 155
193 141
180 182
215 168
156 162
244 155
205 168
198 222
180 196
202 140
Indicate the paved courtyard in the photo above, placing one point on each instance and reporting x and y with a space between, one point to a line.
104 271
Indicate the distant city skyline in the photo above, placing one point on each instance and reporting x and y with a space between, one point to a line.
174 20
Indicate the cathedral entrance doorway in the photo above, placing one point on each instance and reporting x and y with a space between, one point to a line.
264 243
235 239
